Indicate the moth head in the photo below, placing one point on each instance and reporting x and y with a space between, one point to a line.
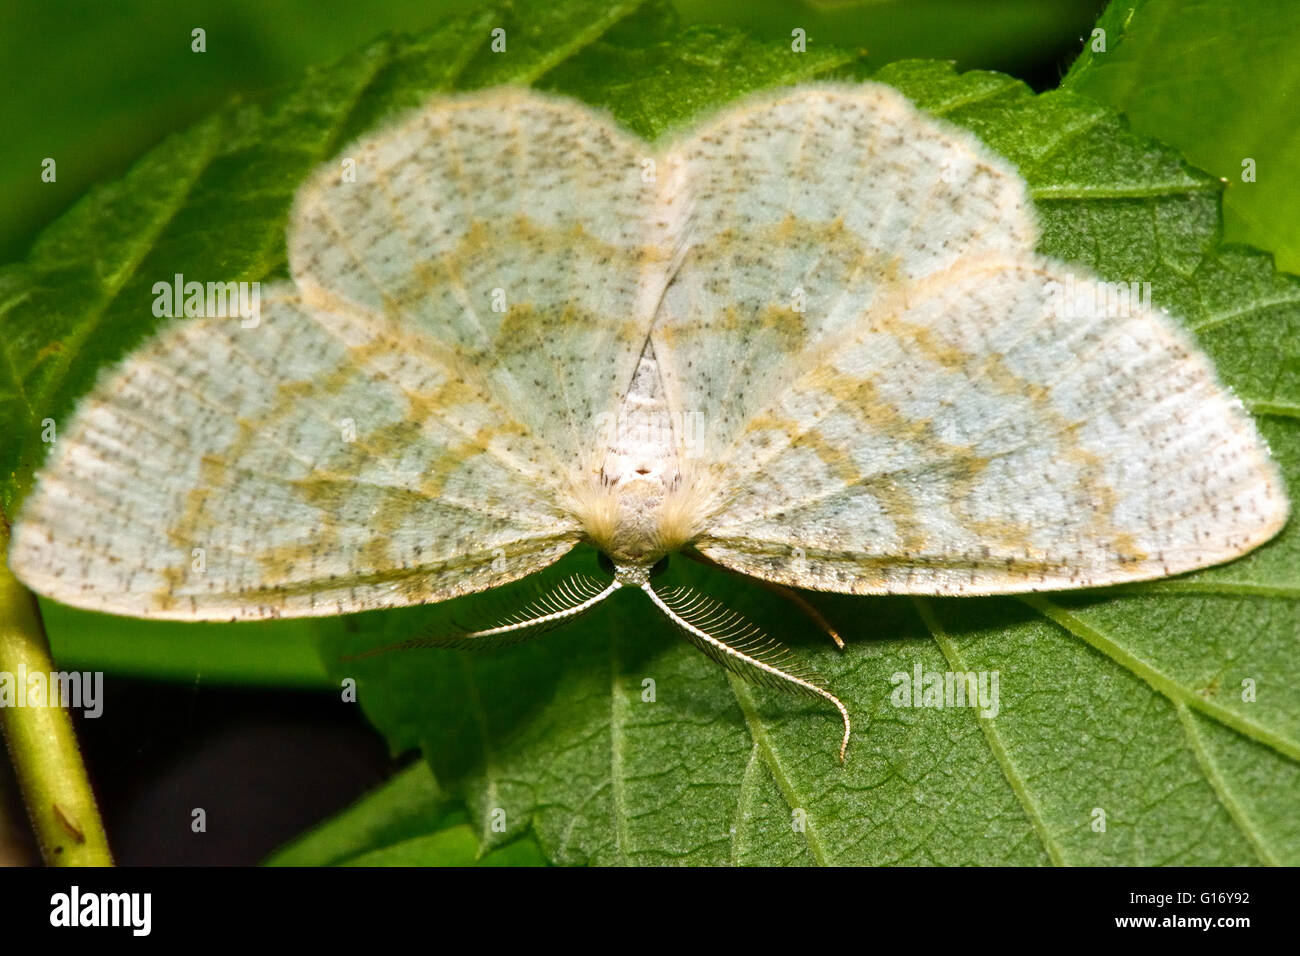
632 575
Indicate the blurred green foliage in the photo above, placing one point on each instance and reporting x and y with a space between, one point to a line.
1220 82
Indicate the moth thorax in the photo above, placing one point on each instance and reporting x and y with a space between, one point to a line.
637 536
642 441
639 471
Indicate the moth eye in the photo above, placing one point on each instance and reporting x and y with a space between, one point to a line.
659 567
605 563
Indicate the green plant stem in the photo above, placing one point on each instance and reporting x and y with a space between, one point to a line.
42 744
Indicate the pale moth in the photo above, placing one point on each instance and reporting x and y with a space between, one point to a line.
809 338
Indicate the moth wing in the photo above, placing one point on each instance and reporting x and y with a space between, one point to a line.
518 231
404 423
226 473
805 207
971 437
881 392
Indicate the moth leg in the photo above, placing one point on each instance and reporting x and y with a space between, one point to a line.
742 647
797 599
569 599
790 594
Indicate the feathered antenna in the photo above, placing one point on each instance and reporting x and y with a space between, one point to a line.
742 647
570 598
723 634
790 594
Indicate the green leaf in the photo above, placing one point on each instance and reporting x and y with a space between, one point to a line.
1220 83
406 822
653 87
1126 702
409 805
1000 34
453 846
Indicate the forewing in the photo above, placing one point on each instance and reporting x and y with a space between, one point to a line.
807 207
521 232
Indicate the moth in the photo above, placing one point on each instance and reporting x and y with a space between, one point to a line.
808 339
